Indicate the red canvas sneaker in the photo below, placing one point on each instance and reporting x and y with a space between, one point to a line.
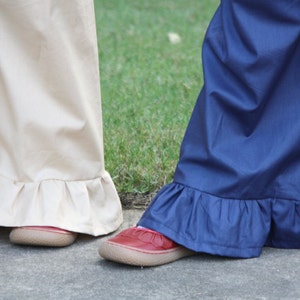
42 236
141 247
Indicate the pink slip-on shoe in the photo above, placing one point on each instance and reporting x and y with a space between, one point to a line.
142 247
42 236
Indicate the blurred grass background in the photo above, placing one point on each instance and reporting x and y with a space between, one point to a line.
149 85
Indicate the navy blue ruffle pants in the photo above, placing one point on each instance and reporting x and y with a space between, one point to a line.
237 183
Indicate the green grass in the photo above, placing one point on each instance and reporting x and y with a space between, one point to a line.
149 86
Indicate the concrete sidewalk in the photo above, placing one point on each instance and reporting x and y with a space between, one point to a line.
77 272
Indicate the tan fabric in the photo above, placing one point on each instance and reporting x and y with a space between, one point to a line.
51 149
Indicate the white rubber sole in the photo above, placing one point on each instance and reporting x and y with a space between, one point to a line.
40 237
132 256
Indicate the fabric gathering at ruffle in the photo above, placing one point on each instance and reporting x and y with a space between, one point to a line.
90 207
229 227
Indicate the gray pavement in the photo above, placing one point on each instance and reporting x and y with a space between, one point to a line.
77 272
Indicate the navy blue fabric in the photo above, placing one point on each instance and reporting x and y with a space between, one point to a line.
237 182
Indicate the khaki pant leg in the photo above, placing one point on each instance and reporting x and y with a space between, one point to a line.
51 145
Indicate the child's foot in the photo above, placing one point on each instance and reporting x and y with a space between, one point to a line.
142 247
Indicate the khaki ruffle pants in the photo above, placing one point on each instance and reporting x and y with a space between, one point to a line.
51 147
